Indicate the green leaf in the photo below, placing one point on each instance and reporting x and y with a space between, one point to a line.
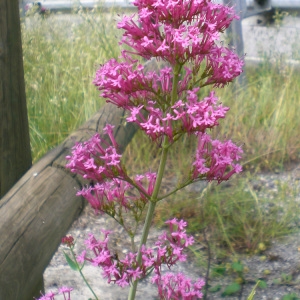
252 294
277 281
286 277
292 296
73 265
219 270
231 289
237 267
215 288
262 284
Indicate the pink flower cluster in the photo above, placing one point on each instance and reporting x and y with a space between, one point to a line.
183 117
126 84
168 250
165 104
175 31
178 287
65 291
96 159
178 32
215 160
106 196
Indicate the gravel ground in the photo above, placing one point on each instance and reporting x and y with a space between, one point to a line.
282 257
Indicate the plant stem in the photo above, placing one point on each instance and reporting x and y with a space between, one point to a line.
160 173
88 285
204 192
133 288
150 212
176 71
81 274
208 263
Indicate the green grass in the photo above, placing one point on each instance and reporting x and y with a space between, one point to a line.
264 117
60 60
236 216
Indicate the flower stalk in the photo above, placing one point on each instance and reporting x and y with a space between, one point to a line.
150 212
165 105
81 274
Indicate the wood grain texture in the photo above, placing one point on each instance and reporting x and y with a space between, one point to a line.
15 153
32 229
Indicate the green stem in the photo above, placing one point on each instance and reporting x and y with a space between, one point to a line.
160 173
150 212
178 188
129 180
81 274
176 72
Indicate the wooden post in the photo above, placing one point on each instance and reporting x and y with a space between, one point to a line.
22 8
15 153
37 212
235 33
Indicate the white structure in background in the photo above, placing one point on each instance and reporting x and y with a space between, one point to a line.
62 5
251 7
282 4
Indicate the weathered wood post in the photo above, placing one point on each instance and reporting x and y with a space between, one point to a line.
15 153
235 33
22 8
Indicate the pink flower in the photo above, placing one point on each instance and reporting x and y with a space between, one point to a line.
81 258
123 281
215 160
111 272
66 291
146 41
163 47
135 274
95 159
68 240
108 195
179 30
169 250
102 258
178 287
48 296
224 64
